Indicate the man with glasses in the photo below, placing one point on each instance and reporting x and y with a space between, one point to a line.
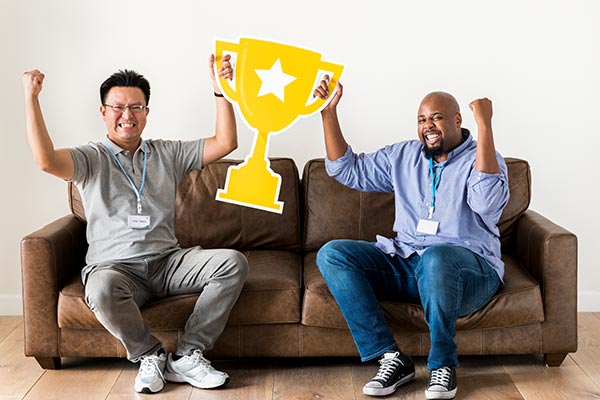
128 186
449 194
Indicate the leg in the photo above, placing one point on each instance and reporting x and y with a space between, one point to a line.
218 275
453 282
554 359
115 296
356 272
51 362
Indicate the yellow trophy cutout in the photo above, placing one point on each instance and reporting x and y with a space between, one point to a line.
273 86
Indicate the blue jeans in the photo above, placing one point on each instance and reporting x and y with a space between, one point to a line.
449 281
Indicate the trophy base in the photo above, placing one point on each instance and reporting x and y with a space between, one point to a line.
276 206
252 185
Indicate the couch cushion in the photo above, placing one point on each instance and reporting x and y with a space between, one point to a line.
362 216
270 295
518 302
202 220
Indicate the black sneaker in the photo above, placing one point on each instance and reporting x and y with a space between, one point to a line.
442 383
392 373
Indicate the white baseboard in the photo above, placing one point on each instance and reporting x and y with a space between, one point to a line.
589 301
11 304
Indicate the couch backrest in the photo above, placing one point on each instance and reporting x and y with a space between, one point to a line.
519 183
201 220
334 211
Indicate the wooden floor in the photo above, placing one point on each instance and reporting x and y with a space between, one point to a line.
485 377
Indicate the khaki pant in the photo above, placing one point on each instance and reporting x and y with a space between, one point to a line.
115 291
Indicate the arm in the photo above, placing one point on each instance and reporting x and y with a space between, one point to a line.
365 172
487 186
335 144
56 162
225 139
549 254
488 194
50 257
485 158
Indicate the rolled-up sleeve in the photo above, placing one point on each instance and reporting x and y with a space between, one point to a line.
487 194
364 172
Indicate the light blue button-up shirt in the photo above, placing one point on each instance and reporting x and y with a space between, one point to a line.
468 203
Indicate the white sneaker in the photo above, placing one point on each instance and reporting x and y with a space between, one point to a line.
150 377
195 370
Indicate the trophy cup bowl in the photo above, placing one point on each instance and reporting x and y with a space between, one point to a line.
253 183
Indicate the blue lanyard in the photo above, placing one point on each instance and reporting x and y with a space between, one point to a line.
138 192
434 185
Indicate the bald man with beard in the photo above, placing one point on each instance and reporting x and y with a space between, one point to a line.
449 192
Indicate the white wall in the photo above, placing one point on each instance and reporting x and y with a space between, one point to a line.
537 60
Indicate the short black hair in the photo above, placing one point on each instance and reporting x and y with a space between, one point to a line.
125 78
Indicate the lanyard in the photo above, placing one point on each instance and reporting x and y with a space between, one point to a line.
138 192
434 185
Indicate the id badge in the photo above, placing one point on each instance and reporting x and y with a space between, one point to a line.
138 221
428 226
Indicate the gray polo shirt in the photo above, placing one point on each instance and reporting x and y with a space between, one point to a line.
108 197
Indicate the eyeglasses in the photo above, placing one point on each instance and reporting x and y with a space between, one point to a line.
136 108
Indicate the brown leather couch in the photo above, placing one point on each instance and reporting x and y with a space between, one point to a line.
285 309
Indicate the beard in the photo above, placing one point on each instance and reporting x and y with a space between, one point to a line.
433 152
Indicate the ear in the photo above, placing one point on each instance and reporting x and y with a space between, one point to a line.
458 120
103 111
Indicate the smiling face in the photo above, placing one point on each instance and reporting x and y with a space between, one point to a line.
124 127
438 122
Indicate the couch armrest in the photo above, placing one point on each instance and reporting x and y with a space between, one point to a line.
50 257
549 253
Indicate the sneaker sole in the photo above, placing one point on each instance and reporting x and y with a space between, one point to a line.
147 390
173 377
440 395
369 391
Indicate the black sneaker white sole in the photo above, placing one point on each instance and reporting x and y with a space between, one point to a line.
384 391
442 384
431 395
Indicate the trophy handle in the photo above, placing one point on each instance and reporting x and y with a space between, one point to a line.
220 47
336 71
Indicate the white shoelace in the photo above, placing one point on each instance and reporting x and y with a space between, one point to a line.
199 360
440 376
149 366
387 368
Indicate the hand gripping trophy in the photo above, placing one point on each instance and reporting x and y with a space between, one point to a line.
272 88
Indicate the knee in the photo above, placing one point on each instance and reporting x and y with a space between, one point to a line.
101 292
237 264
337 254
328 252
437 262
437 255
